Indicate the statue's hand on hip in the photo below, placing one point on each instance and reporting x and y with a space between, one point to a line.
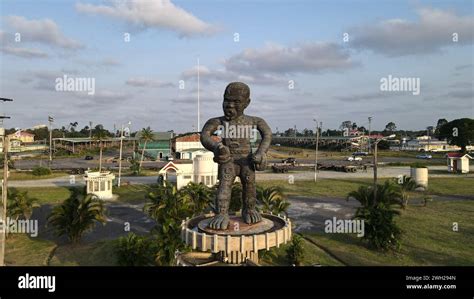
222 154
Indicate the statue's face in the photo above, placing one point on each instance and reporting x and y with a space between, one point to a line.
234 107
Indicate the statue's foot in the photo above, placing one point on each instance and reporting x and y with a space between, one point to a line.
220 221
251 216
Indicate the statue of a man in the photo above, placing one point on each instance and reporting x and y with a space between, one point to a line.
234 153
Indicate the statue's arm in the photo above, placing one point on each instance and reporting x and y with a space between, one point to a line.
266 134
206 135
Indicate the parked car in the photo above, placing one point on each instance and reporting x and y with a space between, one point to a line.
116 159
424 156
289 161
89 158
352 158
360 154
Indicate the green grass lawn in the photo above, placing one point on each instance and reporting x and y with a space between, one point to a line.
428 238
21 250
55 195
340 188
451 186
47 195
28 175
132 193
312 256
96 254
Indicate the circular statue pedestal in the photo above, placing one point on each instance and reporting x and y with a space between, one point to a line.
240 242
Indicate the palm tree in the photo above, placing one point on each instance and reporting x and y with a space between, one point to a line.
389 193
20 204
167 202
407 185
77 215
146 135
272 200
295 252
168 208
199 195
381 231
99 136
135 250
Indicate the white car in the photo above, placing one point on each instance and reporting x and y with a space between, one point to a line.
352 158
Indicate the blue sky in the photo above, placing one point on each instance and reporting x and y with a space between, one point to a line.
279 42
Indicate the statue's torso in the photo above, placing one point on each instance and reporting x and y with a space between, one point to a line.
237 135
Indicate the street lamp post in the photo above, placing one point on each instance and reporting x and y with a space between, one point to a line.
3 214
376 143
120 155
316 154
50 120
368 139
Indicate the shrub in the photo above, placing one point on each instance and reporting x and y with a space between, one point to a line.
77 215
40 171
134 250
295 251
380 229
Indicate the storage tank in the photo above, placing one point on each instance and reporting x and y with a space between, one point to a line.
205 169
420 176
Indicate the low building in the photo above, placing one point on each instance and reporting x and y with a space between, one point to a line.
458 162
159 147
428 144
201 169
23 136
188 145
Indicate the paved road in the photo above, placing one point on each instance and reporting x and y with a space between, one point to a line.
64 181
309 214
261 176
73 163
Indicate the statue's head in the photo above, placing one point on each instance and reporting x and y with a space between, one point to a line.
236 99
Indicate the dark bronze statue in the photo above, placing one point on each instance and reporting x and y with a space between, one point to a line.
234 153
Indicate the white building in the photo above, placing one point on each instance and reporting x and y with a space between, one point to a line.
458 162
200 169
187 146
99 183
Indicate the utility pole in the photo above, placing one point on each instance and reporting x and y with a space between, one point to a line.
368 137
375 163
90 135
316 154
3 214
50 120
4 198
199 109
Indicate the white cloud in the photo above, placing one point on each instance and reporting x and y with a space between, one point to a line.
44 31
147 82
397 37
271 64
277 59
152 14
206 75
24 52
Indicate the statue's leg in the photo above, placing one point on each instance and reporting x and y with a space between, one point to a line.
226 175
249 195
